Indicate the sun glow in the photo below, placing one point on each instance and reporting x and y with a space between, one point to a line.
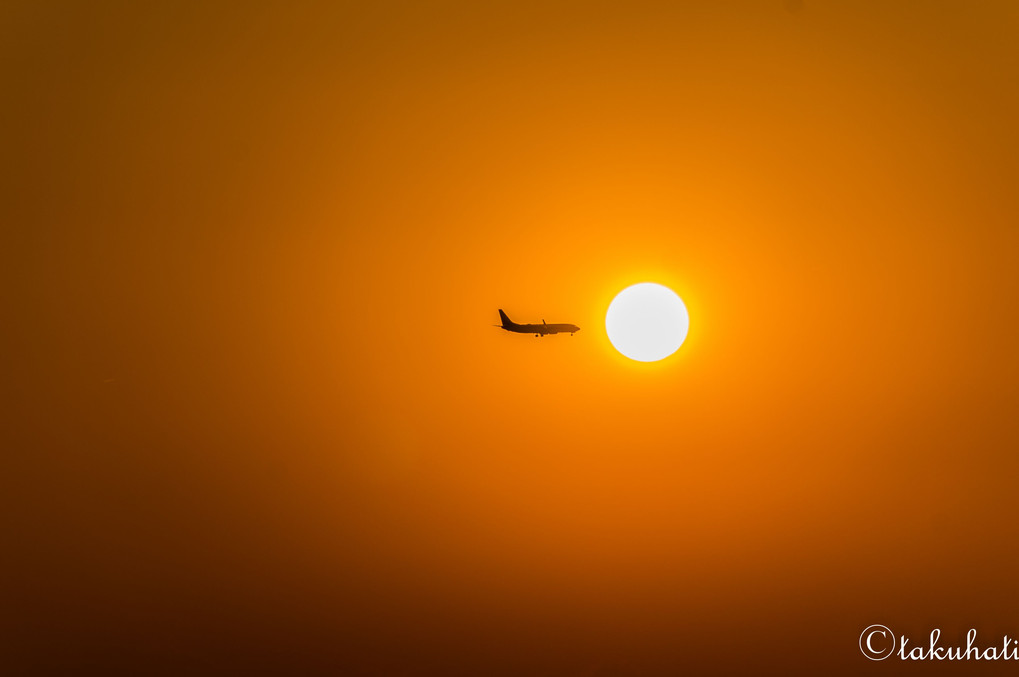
647 322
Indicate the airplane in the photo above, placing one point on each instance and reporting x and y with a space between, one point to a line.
537 329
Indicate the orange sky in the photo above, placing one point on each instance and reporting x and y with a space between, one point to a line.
257 413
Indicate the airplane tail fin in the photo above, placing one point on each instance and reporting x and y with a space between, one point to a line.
506 322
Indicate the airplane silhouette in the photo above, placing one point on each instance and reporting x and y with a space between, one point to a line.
536 329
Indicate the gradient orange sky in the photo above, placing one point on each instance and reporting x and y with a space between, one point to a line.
257 417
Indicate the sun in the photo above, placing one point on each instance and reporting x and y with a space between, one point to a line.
647 322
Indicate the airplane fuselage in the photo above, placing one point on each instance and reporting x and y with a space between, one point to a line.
543 329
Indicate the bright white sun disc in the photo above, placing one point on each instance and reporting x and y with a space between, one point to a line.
647 322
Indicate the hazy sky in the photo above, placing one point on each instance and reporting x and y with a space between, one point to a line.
256 414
